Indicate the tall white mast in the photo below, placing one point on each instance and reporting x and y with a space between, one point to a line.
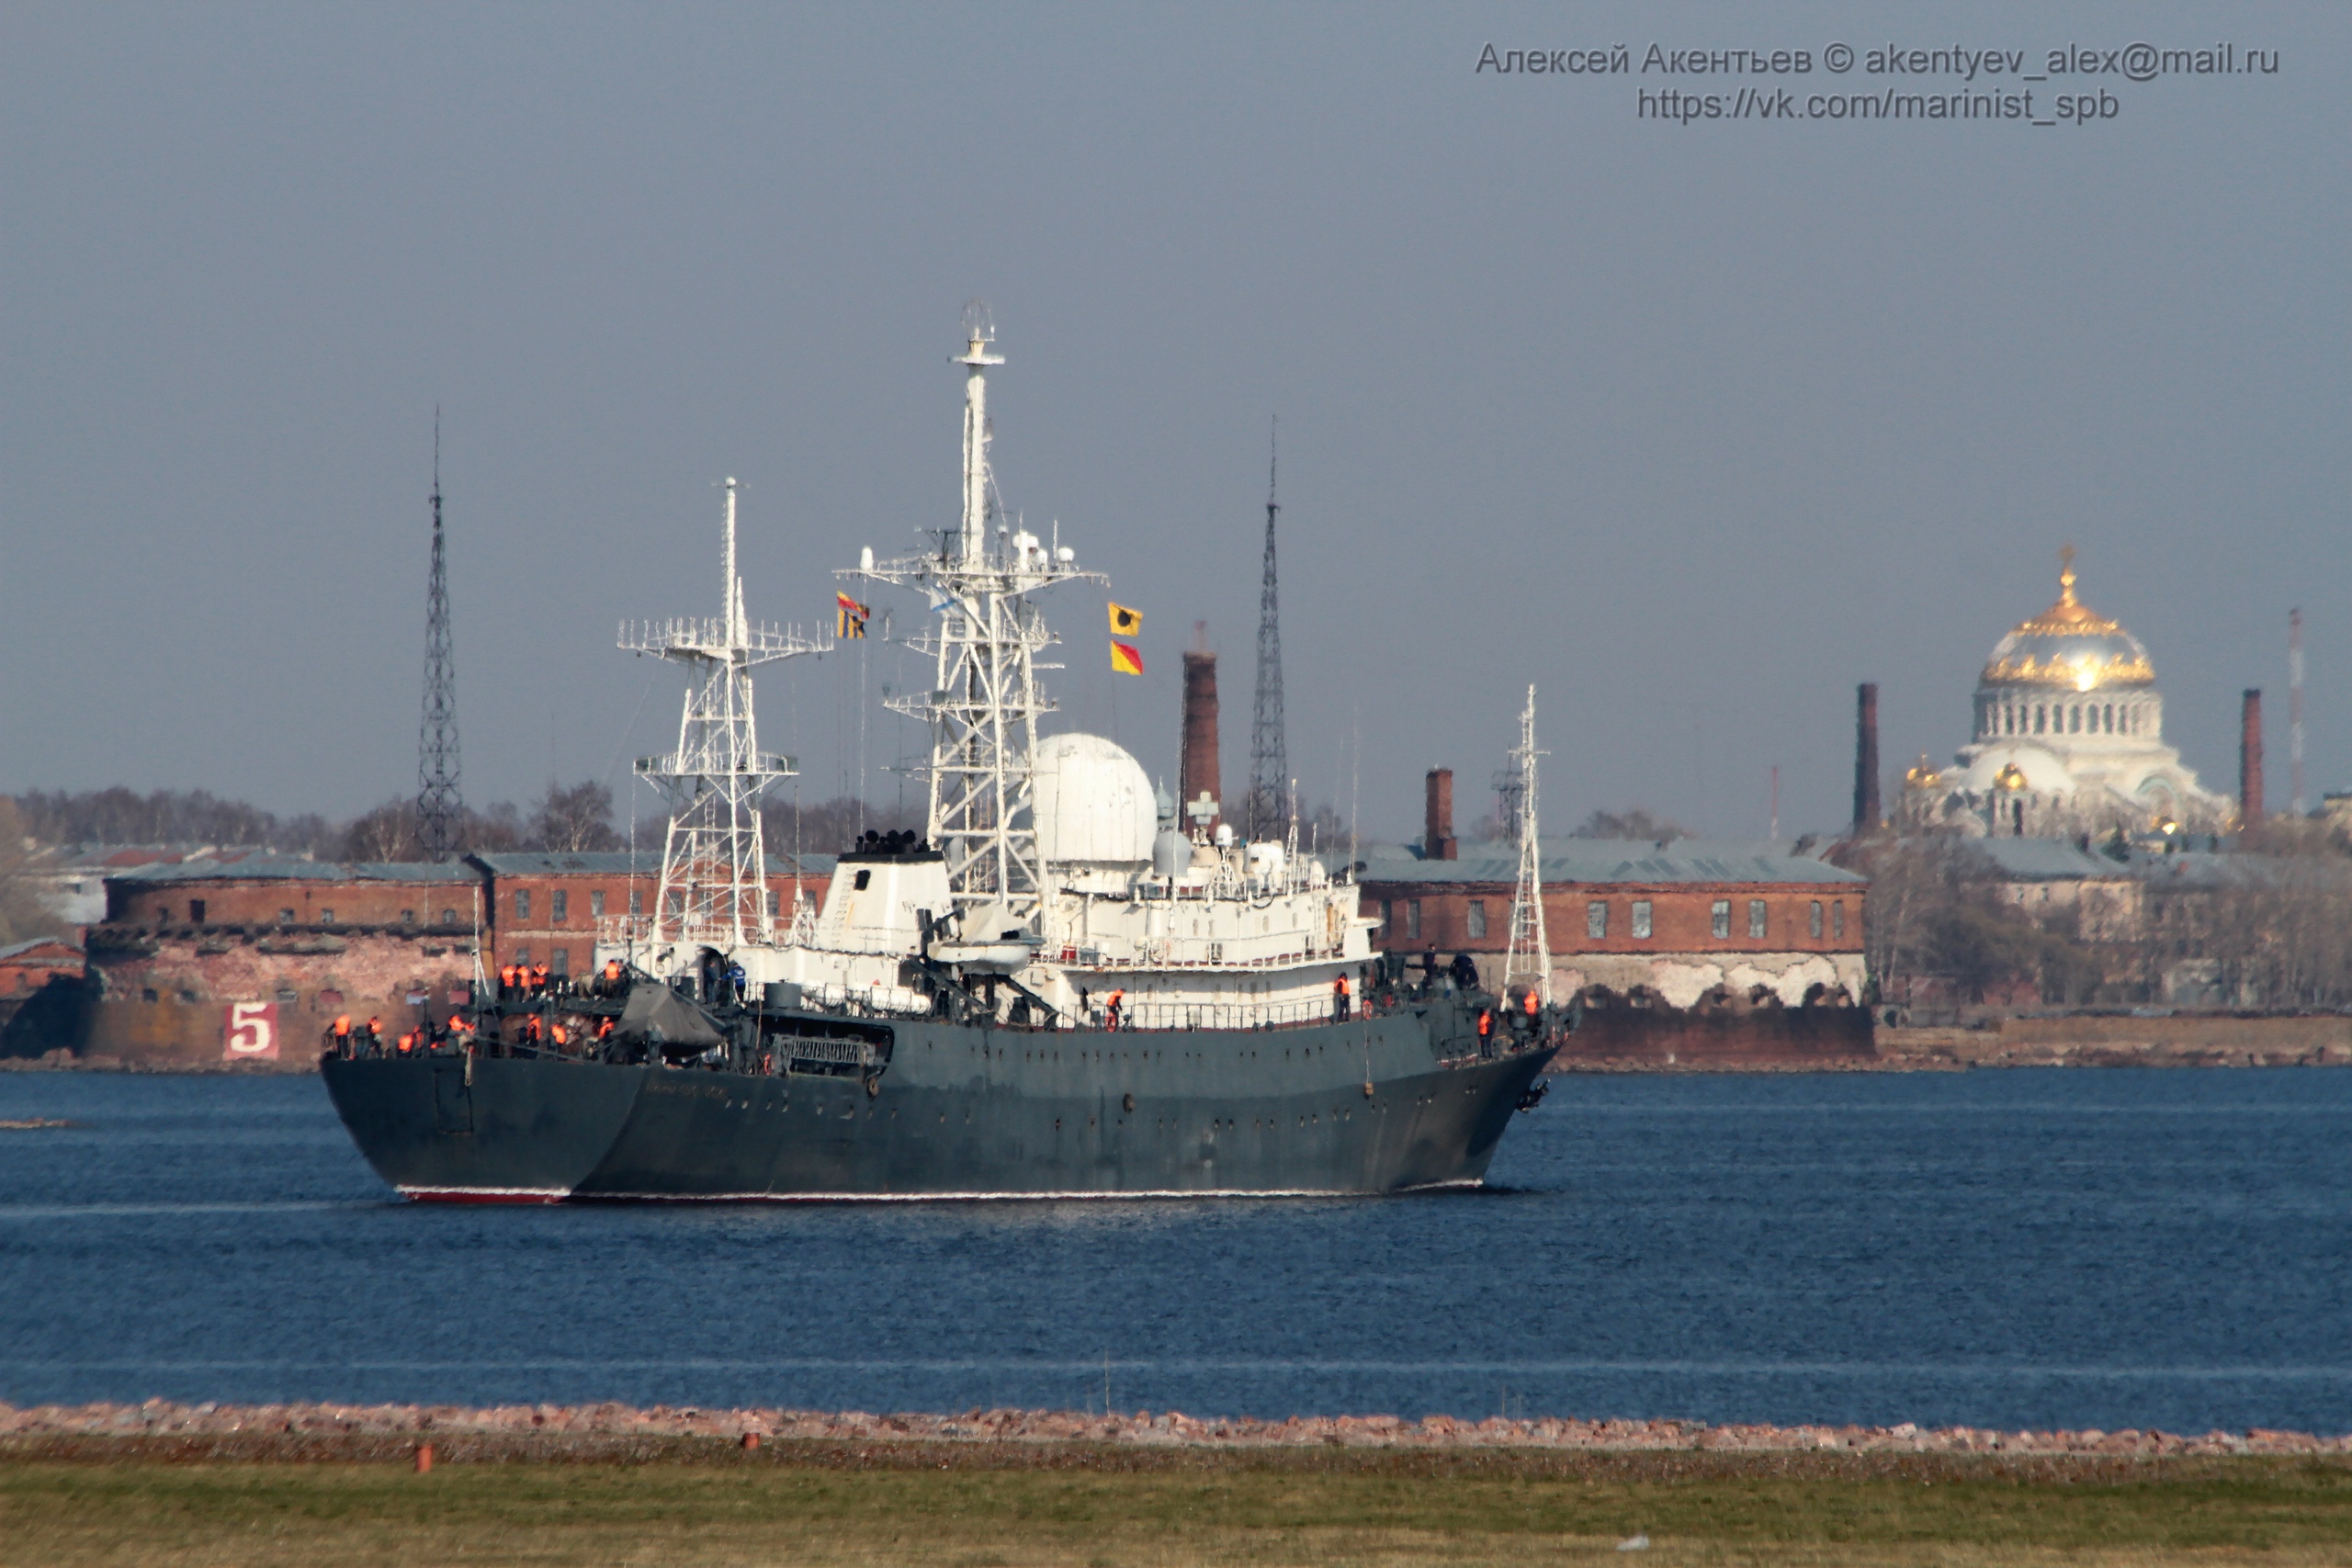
984 705
1529 957
713 861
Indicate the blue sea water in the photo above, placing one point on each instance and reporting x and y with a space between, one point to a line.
2011 1249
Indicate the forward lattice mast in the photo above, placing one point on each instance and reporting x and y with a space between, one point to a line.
713 861
985 702
1528 961
439 811
1269 753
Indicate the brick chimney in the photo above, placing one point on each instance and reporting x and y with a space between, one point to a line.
1198 771
2250 759
1437 838
1867 816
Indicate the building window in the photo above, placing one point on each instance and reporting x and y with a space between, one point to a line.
637 900
1837 919
448 917
2075 719
596 904
1813 920
195 912
1640 919
285 917
326 917
1595 920
330 1000
2039 713
408 917
559 905
148 995
1719 918
776 903
1386 914
1476 918
677 903
522 903
559 962
287 997
1756 926
523 954
1413 919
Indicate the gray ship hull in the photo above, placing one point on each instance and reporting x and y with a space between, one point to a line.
1389 1103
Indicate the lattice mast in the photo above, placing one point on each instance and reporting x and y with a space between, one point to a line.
1269 754
439 811
1529 957
714 859
985 702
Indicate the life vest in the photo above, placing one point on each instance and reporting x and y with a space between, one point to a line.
342 1026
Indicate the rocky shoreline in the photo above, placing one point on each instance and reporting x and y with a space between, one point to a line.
421 1423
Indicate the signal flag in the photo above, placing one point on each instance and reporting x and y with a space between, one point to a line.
850 616
1125 659
1125 622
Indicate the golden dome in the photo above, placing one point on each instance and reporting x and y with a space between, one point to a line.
2069 645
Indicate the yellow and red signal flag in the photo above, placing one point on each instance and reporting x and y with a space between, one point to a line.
1127 659
1125 622
849 616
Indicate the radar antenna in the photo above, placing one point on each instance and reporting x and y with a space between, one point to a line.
439 810
1269 759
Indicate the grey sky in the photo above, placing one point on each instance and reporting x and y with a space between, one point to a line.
1694 426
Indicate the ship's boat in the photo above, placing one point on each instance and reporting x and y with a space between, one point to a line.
1055 991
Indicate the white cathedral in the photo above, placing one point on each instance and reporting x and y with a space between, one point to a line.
2069 740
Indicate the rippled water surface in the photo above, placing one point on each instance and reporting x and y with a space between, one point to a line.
2027 1248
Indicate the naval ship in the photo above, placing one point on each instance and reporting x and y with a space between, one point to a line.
1055 991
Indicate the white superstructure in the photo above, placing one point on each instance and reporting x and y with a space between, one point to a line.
1048 862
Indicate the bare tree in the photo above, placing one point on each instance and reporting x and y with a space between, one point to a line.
571 820
1633 822
387 833
24 913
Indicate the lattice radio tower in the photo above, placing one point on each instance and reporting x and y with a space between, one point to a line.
438 808
1269 760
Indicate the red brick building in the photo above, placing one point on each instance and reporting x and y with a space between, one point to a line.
1679 921
548 908
181 942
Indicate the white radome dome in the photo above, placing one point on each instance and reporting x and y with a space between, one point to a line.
1094 803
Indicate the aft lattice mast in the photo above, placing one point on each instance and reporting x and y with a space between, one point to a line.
1269 756
1528 958
439 811
985 703
713 861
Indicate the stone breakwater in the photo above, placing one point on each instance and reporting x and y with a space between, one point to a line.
427 1422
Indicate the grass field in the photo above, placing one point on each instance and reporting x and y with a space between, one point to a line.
679 1503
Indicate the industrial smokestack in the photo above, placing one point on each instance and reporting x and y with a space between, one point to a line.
2250 761
1866 809
1437 837
1198 773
